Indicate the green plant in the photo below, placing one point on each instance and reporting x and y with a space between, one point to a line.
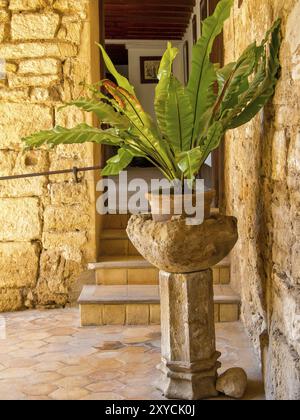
191 120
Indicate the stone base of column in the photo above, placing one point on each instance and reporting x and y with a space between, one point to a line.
189 382
189 357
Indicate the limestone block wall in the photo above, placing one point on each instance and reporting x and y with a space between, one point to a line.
263 192
47 224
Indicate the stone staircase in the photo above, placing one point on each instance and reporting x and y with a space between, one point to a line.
126 290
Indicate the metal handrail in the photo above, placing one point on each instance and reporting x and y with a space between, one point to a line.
74 171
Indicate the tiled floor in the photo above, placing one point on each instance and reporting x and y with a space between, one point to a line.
45 355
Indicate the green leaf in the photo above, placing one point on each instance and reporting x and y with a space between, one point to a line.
237 82
178 117
223 75
117 163
81 134
245 98
261 92
189 162
143 128
105 112
162 89
212 141
203 74
121 80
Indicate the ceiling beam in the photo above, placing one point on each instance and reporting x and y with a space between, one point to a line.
155 19
142 17
146 37
149 25
173 3
149 11
112 9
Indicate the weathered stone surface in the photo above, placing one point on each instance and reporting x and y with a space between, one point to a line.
58 162
24 187
20 219
71 6
17 122
13 163
71 29
65 218
69 193
189 358
39 94
15 81
282 368
262 180
4 16
57 275
233 383
10 300
17 5
21 50
34 26
13 95
7 162
2 32
69 244
19 264
30 95
177 247
40 66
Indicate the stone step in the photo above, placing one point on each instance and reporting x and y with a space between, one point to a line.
114 234
140 305
135 270
115 221
116 242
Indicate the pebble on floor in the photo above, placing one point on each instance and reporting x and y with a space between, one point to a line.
45 355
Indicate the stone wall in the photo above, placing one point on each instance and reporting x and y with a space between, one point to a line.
263 192
47 224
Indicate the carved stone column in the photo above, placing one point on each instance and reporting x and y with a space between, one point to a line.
189 357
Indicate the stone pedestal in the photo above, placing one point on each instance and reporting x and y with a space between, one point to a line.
189 357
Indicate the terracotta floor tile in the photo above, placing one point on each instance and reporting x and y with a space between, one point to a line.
110 396
105 386
106 363
82 370
102 375
44 377
13 373
70 382
31 345
10 393
20 363
62 331
37 336
57 339
49 366
48 356
69 394
40 390
26 353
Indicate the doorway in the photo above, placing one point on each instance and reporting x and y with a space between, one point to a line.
135 30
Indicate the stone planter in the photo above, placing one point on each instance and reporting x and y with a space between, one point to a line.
156 204
184 255
176 247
